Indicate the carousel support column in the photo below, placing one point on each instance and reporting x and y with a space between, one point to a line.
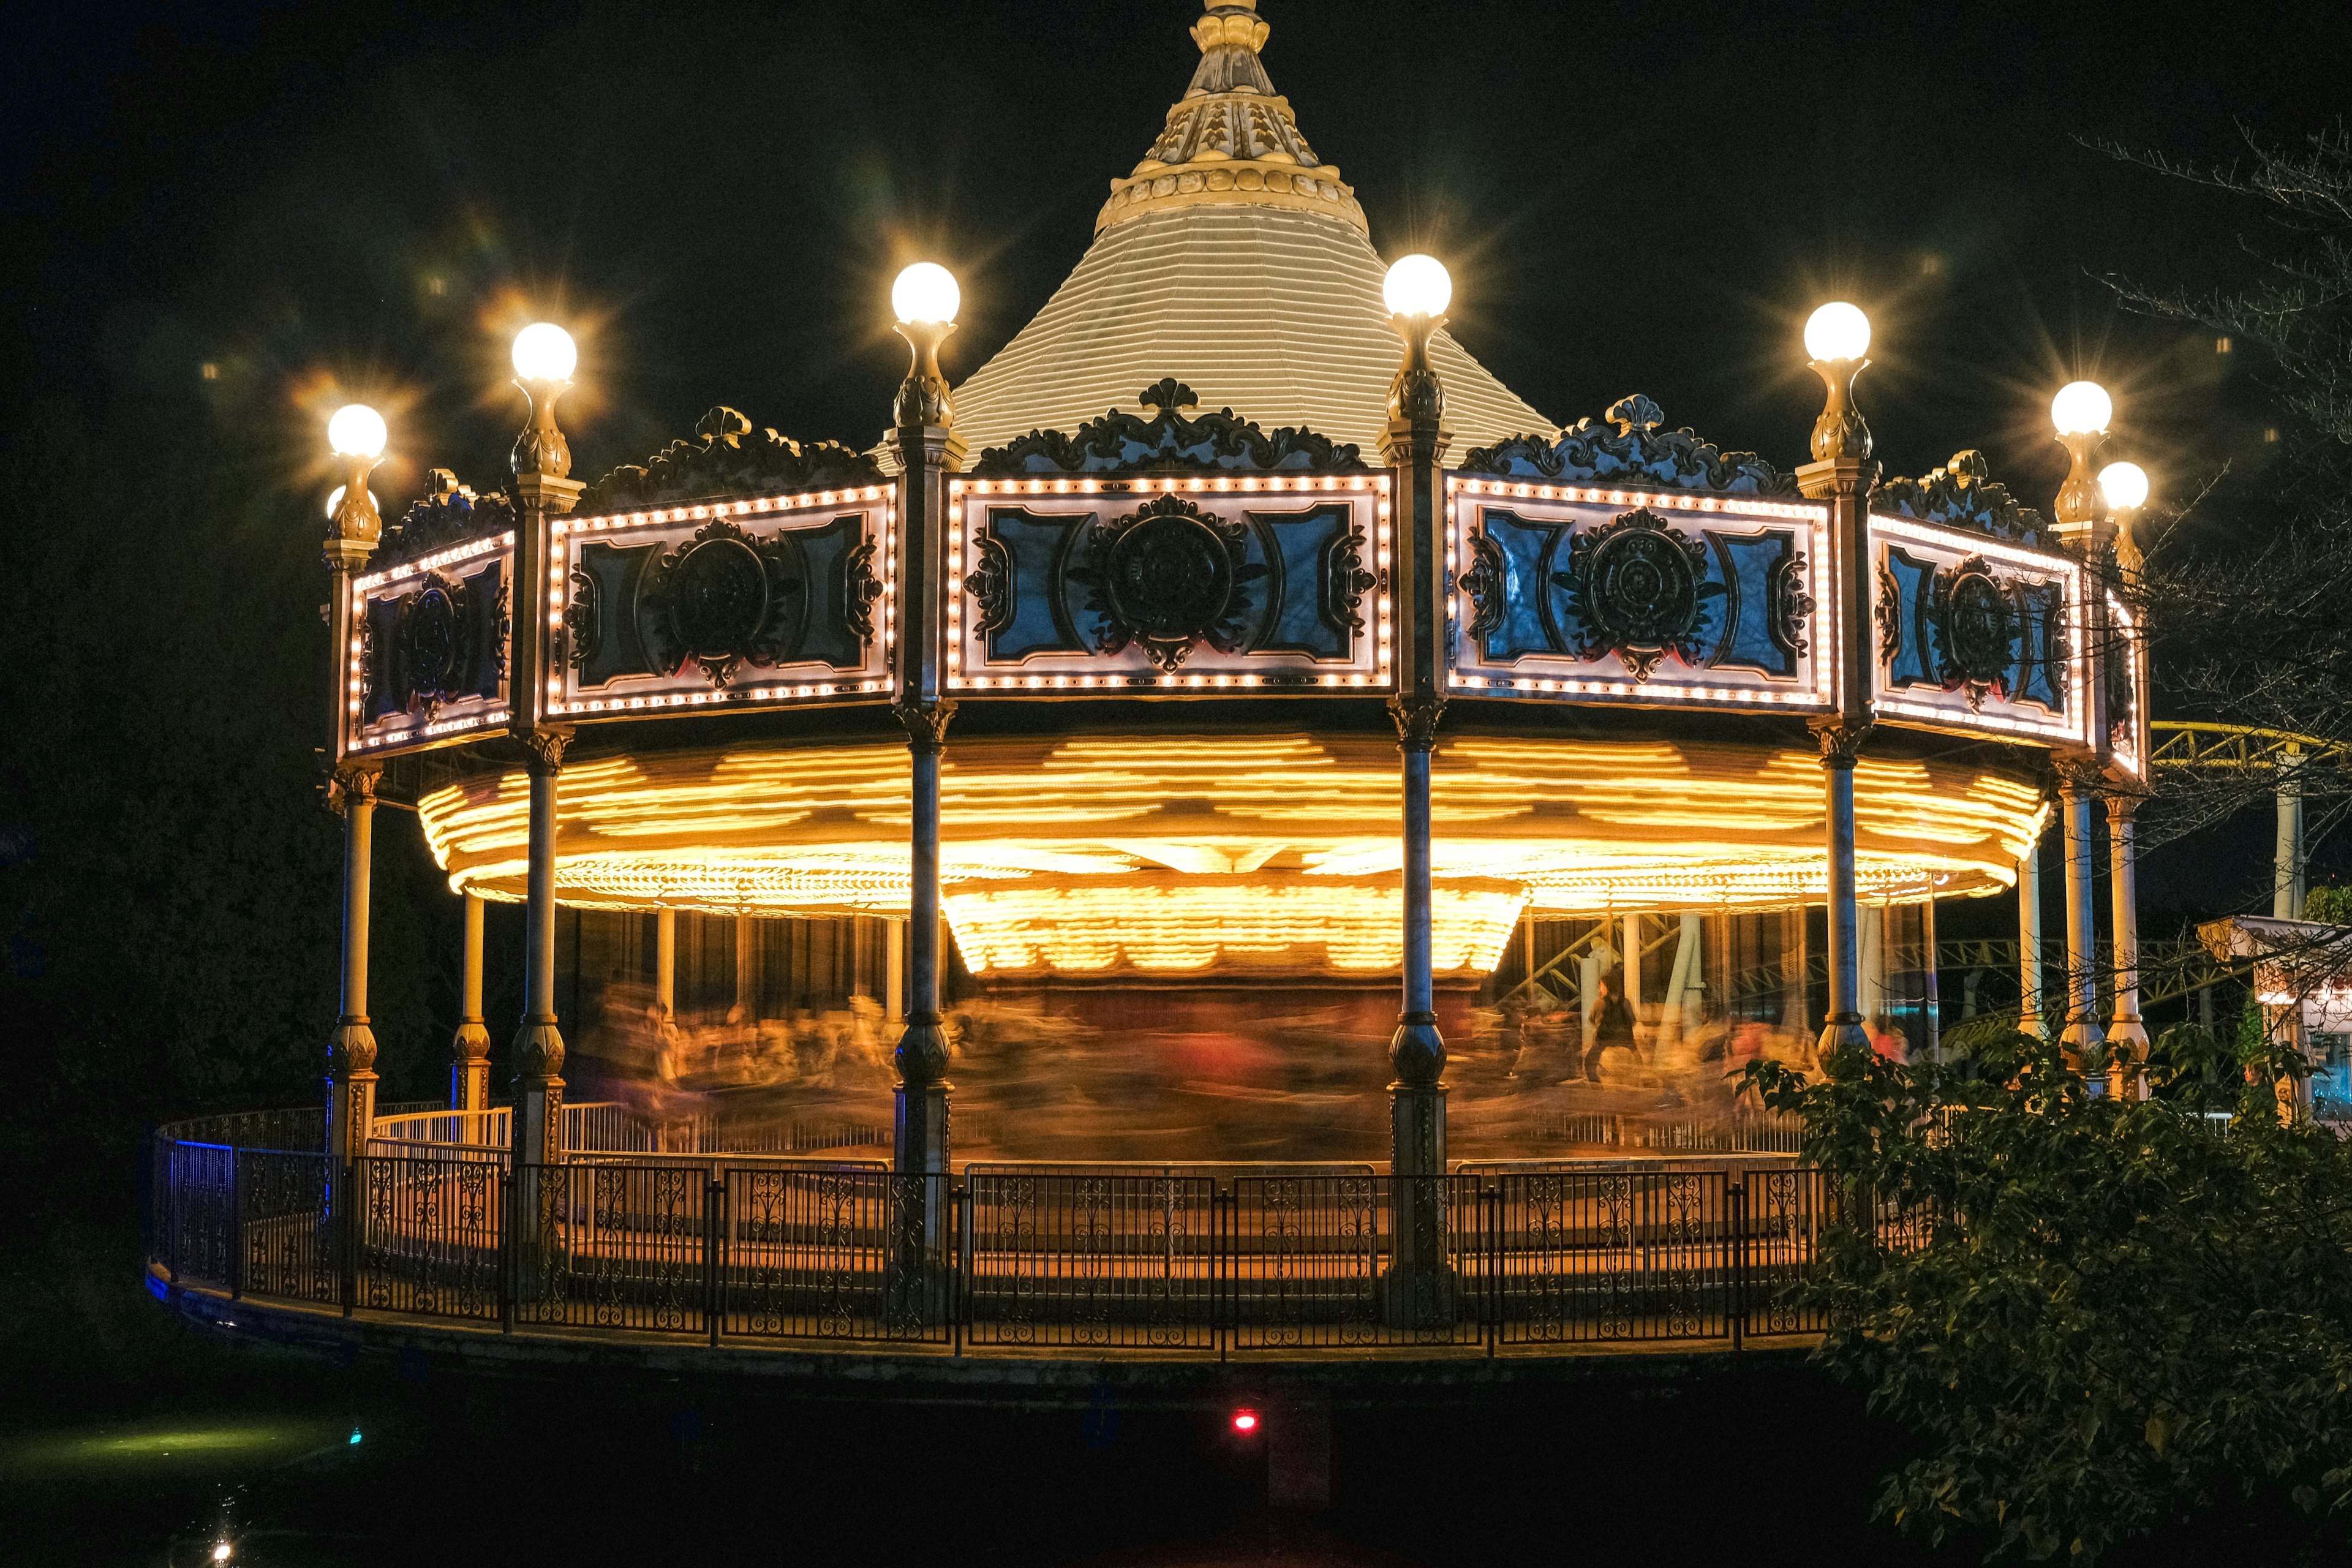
469 1049
1931 990
666 964
923 439
539 1044
747 969
350 1058
2029 939
1842 475
357 435
2127 1034
2078 787
894 970
2288 878
1417 291
1792 971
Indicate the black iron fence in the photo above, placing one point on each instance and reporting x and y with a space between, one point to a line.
1229 1262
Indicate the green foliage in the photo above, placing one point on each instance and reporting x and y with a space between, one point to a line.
2108 1313
2329 905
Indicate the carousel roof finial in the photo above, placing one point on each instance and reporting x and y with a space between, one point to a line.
1231 139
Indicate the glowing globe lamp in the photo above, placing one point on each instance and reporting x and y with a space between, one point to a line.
2081 408
1837 331
544 352
2125 485
356 431
926 291
1417 285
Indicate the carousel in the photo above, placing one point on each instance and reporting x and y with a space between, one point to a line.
1224 830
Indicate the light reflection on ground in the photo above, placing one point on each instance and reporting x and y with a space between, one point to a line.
234 1444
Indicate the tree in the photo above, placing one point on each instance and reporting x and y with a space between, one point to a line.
2106 1314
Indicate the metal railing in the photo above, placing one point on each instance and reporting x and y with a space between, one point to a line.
1174 1261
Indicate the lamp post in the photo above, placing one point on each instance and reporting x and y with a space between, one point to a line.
1842 473
2125 487
1417 289
356 433
2080 411
925 299
544 357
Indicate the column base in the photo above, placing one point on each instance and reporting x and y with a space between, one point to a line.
538 1120
916 1292
469 1066
1418 1292
2126 1040
351 1111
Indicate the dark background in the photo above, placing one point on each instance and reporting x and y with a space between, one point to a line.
329 202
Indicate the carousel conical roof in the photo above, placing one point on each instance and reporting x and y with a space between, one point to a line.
1234 260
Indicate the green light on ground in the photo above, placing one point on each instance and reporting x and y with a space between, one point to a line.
217 1445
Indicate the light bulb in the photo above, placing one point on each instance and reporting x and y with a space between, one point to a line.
2082 408
926 291
1417 285
335 502
544 352
1837 331
356 431
2125 485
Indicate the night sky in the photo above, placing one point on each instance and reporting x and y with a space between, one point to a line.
327 203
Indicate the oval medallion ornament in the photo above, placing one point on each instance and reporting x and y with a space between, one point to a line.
1168 578
1976 622
430 638
718 598
1638 589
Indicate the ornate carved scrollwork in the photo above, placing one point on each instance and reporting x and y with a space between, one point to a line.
347 781
1167 442
447 513
1168 578
861 588
715 598
1638 588
1974 615
584 623
1961 492
1792 605
436 643
729 457
1346 581
1630 445
1486 582
1889 616
990 582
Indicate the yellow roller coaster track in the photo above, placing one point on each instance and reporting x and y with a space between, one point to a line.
2175 744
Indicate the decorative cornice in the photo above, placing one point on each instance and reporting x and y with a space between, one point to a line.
1169 442
1230 138
729 457
1960 493
1631 446
447 513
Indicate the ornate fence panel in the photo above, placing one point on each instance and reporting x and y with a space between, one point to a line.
1596 1255
200 1226
613 1246
836 1252
1781 1246
1315 1263
291 1243
429 1232
1124 1261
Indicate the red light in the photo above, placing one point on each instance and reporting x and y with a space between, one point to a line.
1244 1421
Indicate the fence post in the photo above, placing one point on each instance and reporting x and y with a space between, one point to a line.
1490 1199
235 1224
1738 1194
347 1236
1223 1227
509 1217
714 1275
960 1276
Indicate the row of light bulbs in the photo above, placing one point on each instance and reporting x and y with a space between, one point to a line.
1415 286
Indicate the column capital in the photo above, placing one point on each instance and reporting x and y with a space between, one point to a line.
1837 477
1417 718
553 493
925 723
1841 742
2079 777
543 748
348 782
